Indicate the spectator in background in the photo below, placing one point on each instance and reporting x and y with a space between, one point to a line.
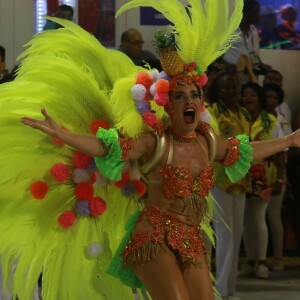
268 37
223 94
287 32
283 109
264 174
132 45
274 97
248 41
4 73
64 11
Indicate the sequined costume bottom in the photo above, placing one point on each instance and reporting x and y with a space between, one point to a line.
156 231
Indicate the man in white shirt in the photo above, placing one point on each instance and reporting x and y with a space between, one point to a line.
248 41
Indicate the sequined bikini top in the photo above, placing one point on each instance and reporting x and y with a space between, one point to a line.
178 182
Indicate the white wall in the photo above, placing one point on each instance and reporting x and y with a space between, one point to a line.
131 19
288 63
17 27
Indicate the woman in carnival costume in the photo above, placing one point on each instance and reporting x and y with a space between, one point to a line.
72 234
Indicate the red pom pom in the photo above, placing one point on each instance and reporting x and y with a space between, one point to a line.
203 79
149 118
161 99
124 179
98 123
58 141
144 78
190 68
39 189
81 160
84 191
60 172
162 86
97 206
148 95
93 178
140 187
66 219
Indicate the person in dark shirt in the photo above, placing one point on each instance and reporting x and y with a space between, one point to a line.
132 45
268 37
64 11
4 73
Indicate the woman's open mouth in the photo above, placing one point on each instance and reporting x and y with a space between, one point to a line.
189 115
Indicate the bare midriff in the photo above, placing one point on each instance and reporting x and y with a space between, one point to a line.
176 207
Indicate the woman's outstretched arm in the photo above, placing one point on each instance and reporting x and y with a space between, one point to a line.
263 149
87 144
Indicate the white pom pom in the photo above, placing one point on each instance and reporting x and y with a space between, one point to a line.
101 181
138 92
153 74
163 75
94 250
153 89
205 117
81 175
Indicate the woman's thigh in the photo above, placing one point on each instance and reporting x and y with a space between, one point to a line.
162 277
198 282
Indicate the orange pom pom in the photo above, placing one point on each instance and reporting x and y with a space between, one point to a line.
98 123
39 189
144 78
162 86
84 191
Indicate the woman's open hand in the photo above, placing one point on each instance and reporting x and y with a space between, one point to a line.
48 125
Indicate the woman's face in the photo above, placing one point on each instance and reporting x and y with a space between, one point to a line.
272 99
250 100
229 89
185 108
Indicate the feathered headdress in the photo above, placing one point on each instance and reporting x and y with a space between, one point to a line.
201 32
203 29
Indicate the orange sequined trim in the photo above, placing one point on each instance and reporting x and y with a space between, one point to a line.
169 232
126 145
233 152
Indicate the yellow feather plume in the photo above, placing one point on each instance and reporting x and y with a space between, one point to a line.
204 29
